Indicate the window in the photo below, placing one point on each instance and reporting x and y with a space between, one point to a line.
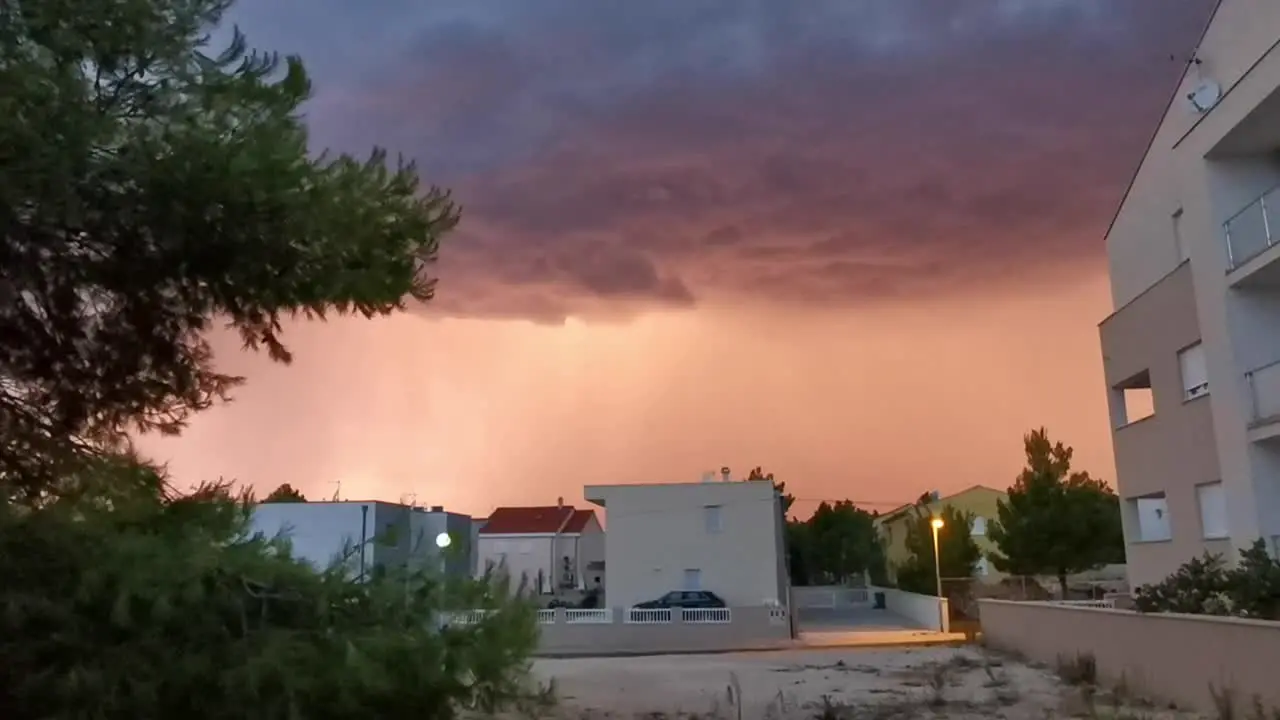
978 527
711 516
1195 378
1213 510
1152 515
982 568
1131 400
693 579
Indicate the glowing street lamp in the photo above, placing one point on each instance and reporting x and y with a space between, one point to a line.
936 523
443 540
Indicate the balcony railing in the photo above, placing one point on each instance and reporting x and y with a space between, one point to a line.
1254 229
1264 391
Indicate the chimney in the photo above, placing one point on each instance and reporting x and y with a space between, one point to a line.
724 474
437 508
560 502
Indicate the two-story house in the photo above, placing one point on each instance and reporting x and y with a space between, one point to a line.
722 536
551 548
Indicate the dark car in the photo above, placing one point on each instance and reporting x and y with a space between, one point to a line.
685 599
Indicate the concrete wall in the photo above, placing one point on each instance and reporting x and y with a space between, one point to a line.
927 611
1172 450
1163 656
658 532
750 628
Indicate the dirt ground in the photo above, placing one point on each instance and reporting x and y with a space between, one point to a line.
876 684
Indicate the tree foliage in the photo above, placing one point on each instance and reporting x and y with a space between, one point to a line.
153 186
958 554
151 607
835 545
1206 586
285 494
1056 521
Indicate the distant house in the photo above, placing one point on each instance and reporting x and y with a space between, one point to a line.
556 547
725 537
978 500
368 534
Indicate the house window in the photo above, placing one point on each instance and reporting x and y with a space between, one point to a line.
692 579
1195 378
982 568
1152 515
978 527
1213 510
712 519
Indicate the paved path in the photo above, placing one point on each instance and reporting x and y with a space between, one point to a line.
863 627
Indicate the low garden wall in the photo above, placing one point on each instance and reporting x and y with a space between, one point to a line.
1185 659
635 631
927 611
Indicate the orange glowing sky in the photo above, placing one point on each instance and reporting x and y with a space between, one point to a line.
856 242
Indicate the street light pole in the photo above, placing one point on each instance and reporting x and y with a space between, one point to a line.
936 524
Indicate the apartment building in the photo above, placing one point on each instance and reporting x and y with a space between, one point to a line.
719 535
1192 351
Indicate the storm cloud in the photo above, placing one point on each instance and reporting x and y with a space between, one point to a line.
613 157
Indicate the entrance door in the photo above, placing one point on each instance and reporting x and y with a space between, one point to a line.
692 579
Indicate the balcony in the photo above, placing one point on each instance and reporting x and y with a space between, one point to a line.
1264 400
1253 243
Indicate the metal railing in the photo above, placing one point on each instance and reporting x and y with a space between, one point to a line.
1264 391
588 616
706 615
648 616
1254 229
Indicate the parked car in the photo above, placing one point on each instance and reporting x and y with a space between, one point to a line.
685 599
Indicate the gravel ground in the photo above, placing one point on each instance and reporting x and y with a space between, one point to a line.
879 684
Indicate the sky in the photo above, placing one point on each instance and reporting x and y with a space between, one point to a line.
856 242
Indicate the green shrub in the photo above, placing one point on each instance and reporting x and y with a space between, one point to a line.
1205 586
135 607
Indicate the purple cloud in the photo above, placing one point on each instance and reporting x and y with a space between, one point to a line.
612 157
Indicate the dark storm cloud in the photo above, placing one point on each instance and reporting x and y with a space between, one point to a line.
834 150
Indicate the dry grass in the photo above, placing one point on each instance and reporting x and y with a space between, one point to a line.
937 683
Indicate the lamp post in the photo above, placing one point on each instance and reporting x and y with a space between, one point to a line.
936 523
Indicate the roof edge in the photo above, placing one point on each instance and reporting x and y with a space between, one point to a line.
1173 96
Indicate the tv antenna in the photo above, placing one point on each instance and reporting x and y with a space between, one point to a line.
337 490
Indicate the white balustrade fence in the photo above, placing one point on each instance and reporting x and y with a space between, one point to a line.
706 615
648 616
595 616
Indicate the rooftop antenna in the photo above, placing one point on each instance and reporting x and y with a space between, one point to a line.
337 490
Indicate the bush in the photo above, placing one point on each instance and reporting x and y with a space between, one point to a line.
1205 586
136 607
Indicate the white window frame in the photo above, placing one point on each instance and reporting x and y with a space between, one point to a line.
1157 506
691 573
1193 371
978 528
713 518
1212 501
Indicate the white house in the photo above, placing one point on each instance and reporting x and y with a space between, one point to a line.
555 547
721 536
367 534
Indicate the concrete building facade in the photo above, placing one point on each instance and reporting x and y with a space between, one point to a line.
368 534
726 537
1192 352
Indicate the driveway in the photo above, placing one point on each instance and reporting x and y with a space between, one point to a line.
850 619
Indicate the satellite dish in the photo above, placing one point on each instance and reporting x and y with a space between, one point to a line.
1205 96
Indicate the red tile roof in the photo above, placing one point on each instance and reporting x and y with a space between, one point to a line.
534 520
